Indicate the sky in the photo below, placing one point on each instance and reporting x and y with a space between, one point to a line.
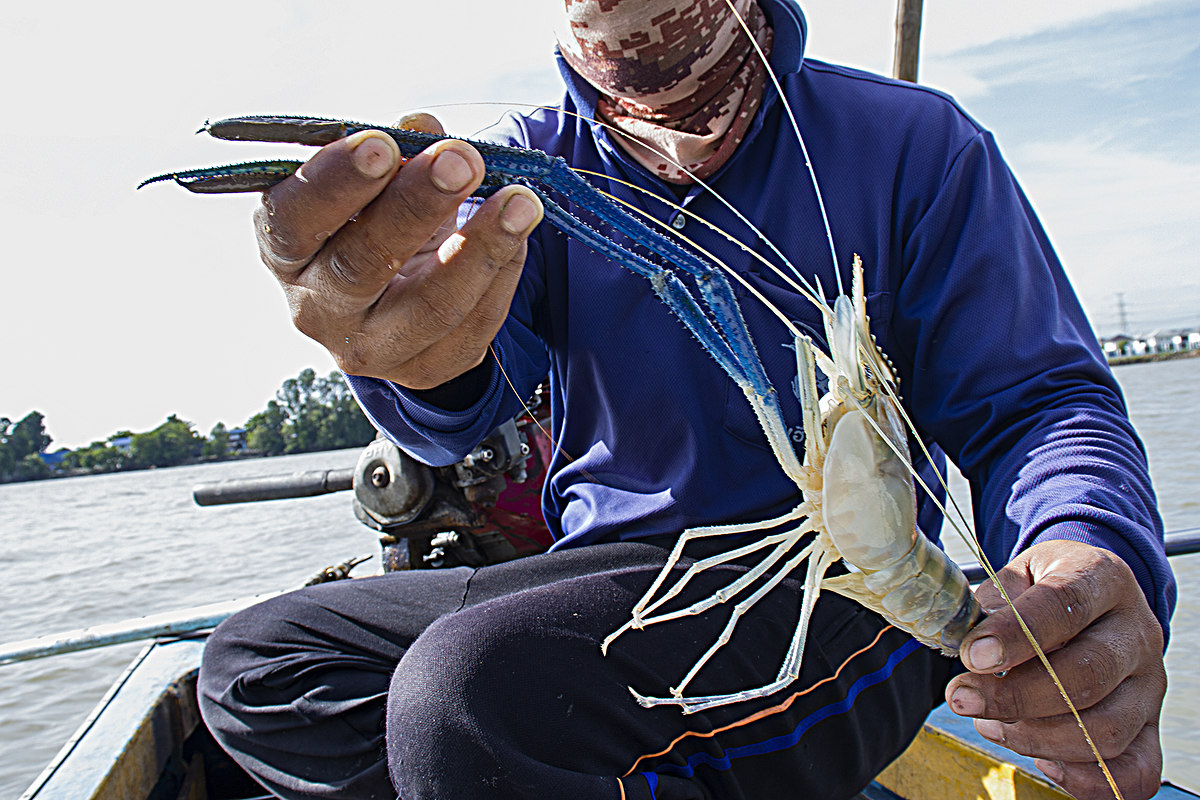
119 307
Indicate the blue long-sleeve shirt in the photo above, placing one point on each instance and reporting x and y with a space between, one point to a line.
997 363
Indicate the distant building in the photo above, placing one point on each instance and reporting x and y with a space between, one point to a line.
237 441
54 460
122 443
1176 341
1116 347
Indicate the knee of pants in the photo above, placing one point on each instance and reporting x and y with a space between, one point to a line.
235 655
302 718
444 675
497 685
302 647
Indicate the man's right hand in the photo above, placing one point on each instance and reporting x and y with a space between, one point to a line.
372 263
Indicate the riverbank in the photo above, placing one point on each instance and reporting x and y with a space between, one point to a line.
309 414
1152 357
80 472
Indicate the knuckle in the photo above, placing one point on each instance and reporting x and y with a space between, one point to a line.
1143 630
1005 700
1113 732
1108 750
1139 777
352 358
277 243
1112 567
414 214
1112 575
481 326
1076 601
360 261
1150 637
1100 670
1110 737
436 310
341 270
1088 694
308 314
1158 682
499 251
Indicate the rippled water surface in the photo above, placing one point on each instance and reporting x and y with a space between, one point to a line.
1163 401
84 551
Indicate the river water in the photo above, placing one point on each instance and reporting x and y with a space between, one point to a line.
84 551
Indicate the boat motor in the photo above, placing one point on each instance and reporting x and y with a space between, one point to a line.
485 509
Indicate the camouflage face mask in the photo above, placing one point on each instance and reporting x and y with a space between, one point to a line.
679 79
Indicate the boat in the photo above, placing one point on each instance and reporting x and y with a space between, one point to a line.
145 738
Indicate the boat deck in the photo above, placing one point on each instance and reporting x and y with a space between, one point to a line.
145 739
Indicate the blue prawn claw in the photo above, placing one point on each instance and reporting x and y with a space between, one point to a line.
250 176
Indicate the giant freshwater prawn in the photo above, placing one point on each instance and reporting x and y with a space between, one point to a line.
854 477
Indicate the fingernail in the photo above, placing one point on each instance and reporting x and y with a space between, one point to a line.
451 172
373 154
986 653
1051 769
518 214
966 702
418 121
990 729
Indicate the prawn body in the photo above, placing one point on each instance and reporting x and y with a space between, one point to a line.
869 513
858 505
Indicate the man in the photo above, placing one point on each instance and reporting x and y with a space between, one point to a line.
490 683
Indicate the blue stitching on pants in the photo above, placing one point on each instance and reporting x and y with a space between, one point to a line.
784 742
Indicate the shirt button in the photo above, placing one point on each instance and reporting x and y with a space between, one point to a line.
679 221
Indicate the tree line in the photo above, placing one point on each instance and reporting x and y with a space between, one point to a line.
308 413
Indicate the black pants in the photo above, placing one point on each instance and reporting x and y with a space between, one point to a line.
489 683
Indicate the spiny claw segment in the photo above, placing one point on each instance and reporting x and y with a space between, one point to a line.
250 176
258 176
318 131
315 131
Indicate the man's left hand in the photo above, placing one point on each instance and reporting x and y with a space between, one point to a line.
1089 615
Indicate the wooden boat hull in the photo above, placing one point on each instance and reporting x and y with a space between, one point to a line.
146 739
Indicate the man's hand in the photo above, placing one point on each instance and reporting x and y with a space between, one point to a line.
1087 612
373 266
